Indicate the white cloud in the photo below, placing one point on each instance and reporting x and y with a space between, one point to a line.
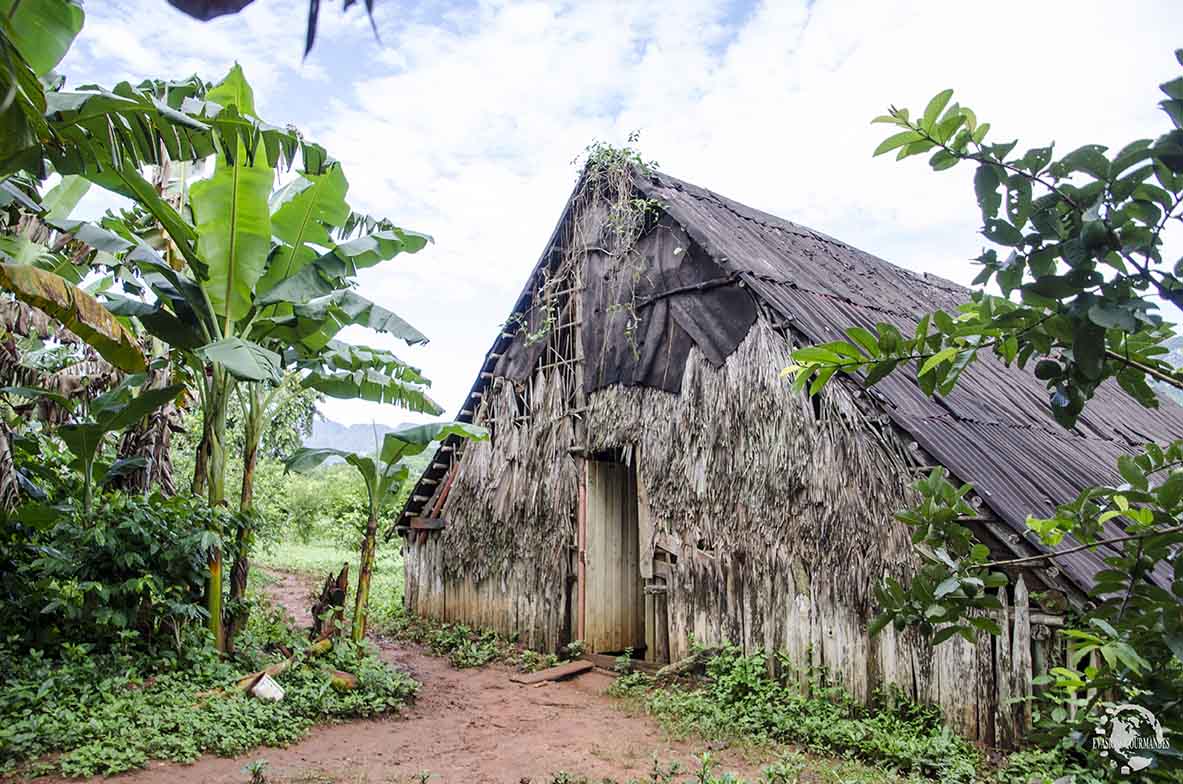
465 124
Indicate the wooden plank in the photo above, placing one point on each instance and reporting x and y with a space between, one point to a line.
553 673
613 602
606 662
428 523
1004 724
1021 656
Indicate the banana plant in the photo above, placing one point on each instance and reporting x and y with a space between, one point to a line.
111 412
384 473
228 299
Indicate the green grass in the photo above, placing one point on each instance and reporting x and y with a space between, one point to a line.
318 558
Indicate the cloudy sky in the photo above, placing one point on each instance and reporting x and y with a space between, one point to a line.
464 120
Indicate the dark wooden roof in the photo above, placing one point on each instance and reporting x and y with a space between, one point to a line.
993 430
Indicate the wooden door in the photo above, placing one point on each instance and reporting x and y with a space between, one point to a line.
613 601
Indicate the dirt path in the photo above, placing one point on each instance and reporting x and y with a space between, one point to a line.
466 726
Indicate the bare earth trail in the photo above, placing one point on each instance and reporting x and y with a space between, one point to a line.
466 726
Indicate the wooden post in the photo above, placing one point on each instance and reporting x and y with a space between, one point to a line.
1021 655
1004 722
581 553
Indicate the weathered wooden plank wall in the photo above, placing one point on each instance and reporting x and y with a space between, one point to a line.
613 604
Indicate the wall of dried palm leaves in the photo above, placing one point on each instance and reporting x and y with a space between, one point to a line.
767 516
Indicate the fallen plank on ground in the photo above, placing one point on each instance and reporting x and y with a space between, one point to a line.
552 673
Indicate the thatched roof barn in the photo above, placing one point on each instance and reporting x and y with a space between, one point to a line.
651 479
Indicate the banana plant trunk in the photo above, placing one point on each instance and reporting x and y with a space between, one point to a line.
244 538
201 460
217 400
360 608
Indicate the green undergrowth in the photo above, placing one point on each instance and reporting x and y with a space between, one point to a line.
464 646
791 768
740 702
90 711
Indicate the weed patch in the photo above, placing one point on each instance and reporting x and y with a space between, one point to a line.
105 713
464 646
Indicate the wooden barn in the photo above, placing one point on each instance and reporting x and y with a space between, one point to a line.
651 480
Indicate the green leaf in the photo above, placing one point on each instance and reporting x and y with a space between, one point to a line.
1132 473
821 379
947 586
1018 199
231 213
944 355
880 371
879 622
947 632
1089 159
302 213
62 198
244 360
83 439
41 30
934 108
807 354
896 140
1088 348
1053 287
305 459
999 231
315 323
412 439
1170 492
304 286
372 385
363 252
1112 316
77 311
865 339
139 407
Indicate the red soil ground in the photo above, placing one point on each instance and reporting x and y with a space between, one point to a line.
466 726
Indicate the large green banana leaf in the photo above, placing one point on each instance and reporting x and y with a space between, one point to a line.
410 440
369 384
303 213
78 312
338 355
314 324
348 257
41 30
244 360
230 209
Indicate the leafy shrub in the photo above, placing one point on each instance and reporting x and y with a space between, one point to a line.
740 700
135 570
110 712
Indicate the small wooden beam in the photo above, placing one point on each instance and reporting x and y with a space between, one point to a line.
423 498
553 673
428 523
605 662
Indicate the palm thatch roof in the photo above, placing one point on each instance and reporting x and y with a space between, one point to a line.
993 430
